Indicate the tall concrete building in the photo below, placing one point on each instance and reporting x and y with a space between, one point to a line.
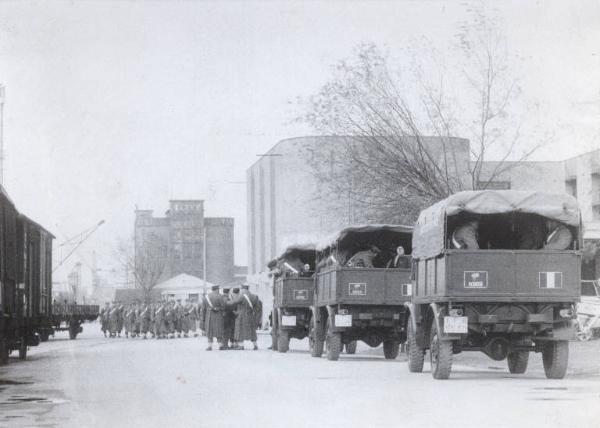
189 242
282 209
281 188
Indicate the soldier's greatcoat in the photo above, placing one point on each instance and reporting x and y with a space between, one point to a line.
249 314
213 305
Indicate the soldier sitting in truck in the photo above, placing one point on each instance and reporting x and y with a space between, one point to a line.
559 236
400 260
364 258
466 235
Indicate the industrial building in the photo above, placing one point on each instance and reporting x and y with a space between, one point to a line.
189 243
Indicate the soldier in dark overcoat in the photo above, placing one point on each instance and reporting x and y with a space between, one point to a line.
213 305
104 319
248 317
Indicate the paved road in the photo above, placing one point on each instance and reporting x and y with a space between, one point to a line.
97 382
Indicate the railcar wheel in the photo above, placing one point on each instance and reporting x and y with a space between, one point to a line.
517 362
23 349
283 341
416 354
3 352
440 352
351 347
390 349
555 356
334 343
314 342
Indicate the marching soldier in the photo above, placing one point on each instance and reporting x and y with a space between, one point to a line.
212 307
113 320
178 313
145 319
104 319
159 321
120 318
249 315
128 320
170 319
187 319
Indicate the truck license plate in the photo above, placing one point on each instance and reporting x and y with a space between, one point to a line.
288 320
456 324
343 320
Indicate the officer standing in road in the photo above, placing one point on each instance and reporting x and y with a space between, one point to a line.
249 313
228 320
212 307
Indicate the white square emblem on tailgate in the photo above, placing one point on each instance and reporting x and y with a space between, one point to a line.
288 320
343 320
456 324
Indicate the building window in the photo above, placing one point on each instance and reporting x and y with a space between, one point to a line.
571 187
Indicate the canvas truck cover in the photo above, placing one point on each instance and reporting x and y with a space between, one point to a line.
428 239
300 248
339 238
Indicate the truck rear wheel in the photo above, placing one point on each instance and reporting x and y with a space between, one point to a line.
314 342
44 335
390 349
440 352
23 349
283 341
517 362
274 330
416 355
334 343
555 356
351 347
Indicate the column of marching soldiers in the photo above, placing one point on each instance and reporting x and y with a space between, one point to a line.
229 317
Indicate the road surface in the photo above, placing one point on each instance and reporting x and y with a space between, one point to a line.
98 382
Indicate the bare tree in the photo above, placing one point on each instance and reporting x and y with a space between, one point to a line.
145 260
385 161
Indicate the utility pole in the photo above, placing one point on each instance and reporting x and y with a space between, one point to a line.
2 135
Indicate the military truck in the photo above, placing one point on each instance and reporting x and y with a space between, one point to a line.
293 291
499 298
364 301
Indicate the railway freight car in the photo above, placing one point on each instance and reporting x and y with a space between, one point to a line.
25 280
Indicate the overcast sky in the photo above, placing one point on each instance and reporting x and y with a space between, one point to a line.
110 105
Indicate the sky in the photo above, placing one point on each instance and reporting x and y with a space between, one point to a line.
116 105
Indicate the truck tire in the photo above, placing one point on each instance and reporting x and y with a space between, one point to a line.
517 362
315 344
274 329
23 349
3 352
555 356
334 343
440 352
390 349
416 355
283 341
351 347
44 336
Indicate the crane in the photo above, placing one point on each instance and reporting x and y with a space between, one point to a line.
77 241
